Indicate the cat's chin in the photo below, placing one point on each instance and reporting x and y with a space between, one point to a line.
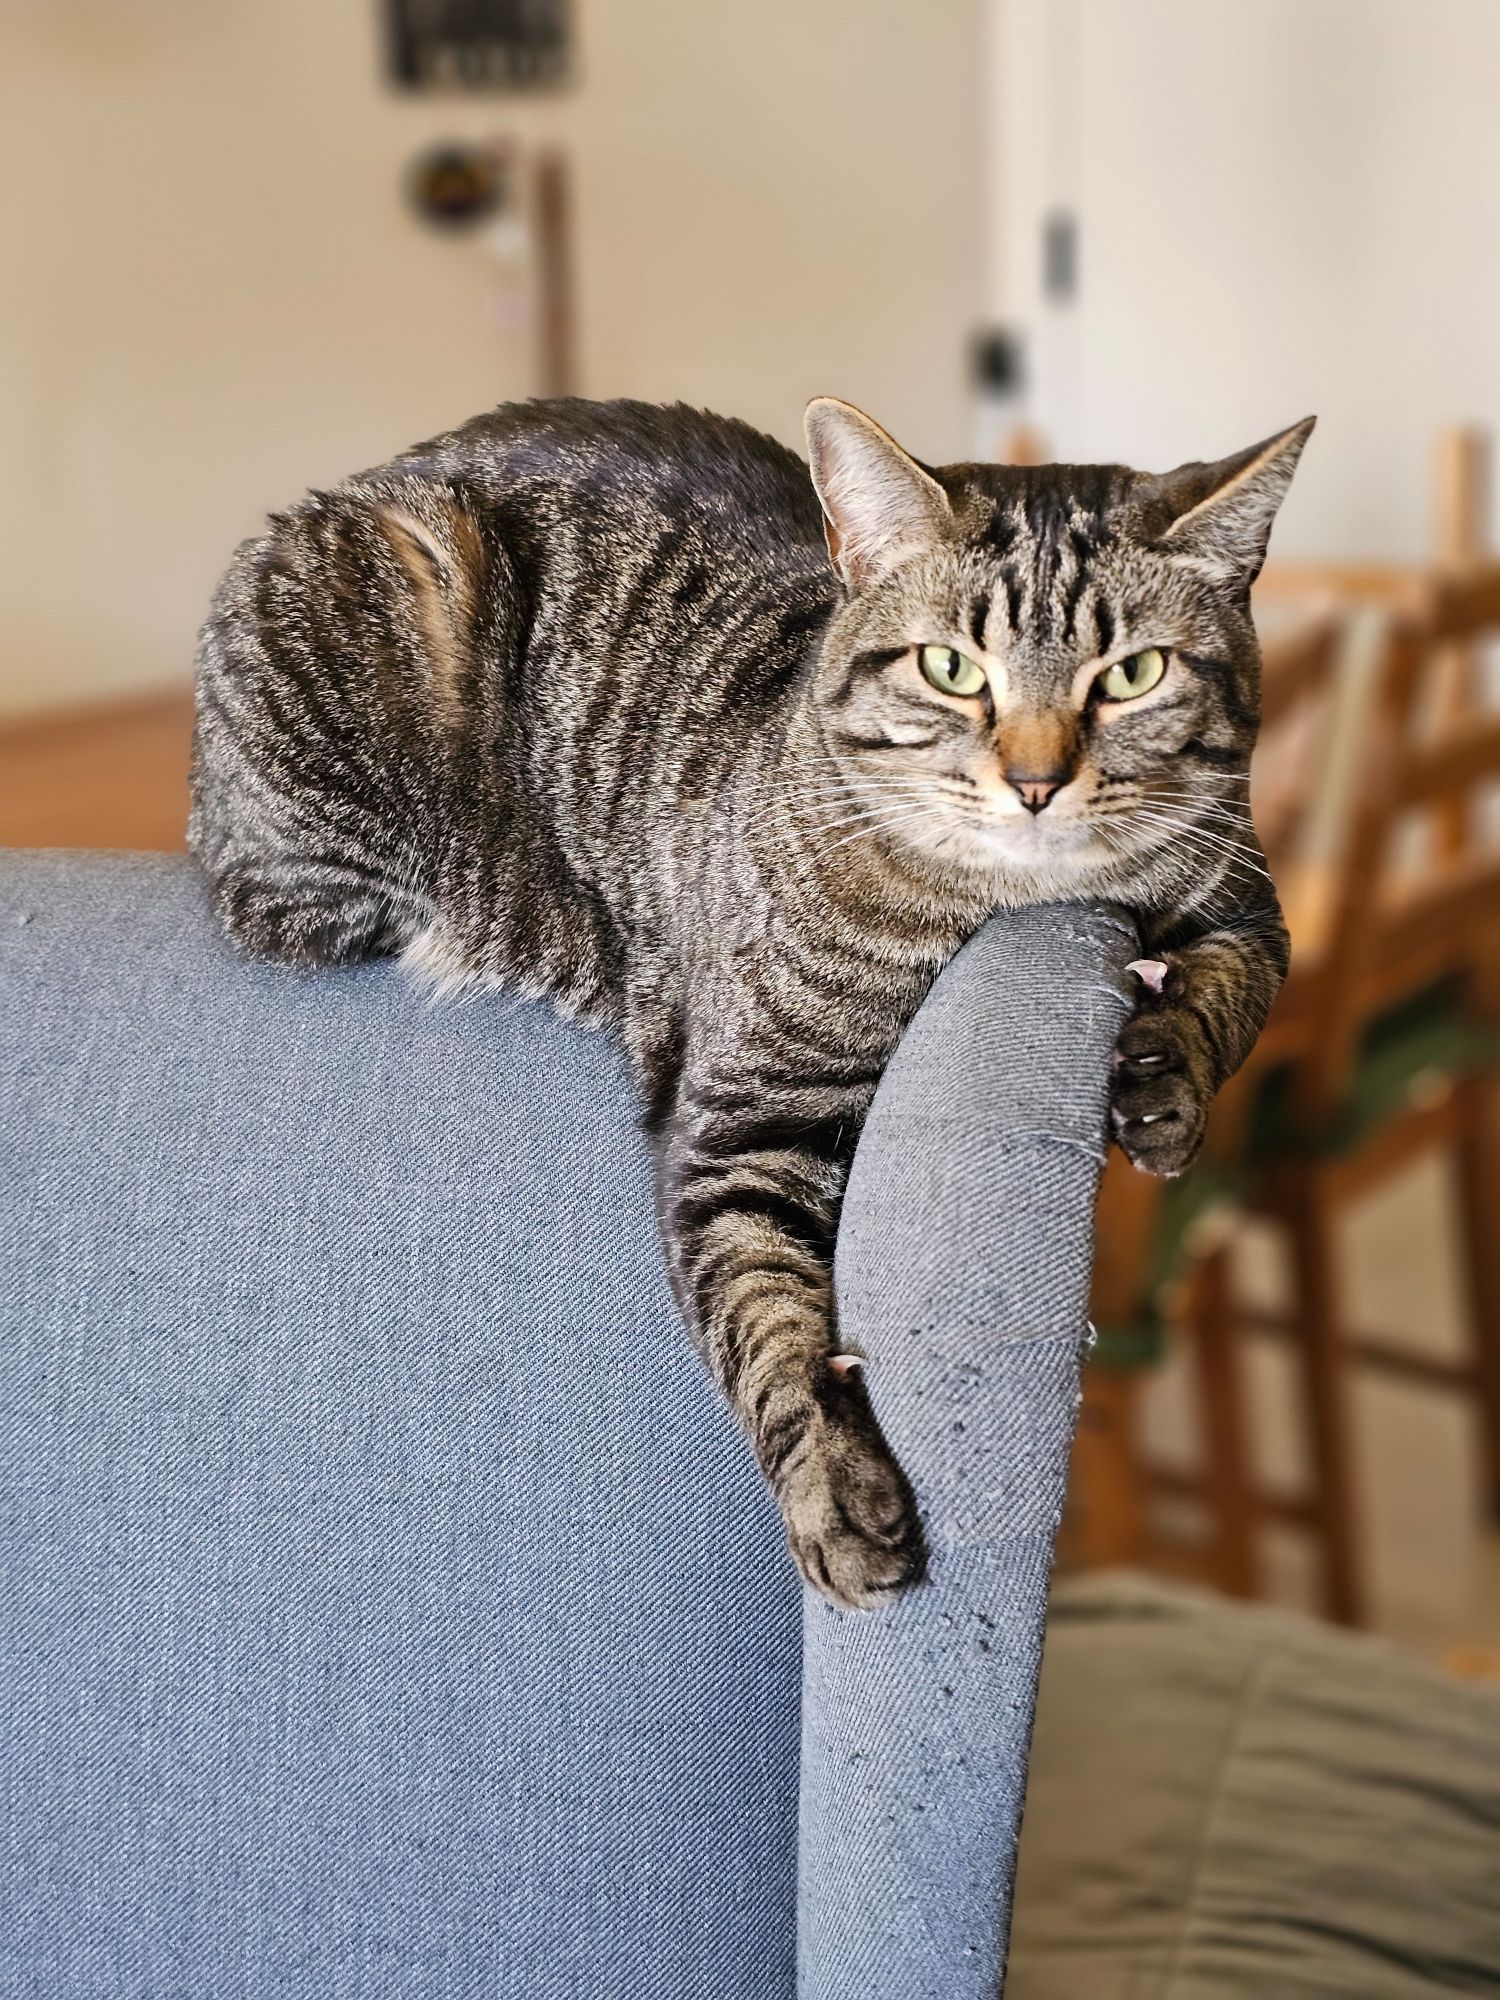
1008 861
1022 844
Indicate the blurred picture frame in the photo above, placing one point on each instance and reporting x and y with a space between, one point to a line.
501 46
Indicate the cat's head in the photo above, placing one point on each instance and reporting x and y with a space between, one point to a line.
1046 676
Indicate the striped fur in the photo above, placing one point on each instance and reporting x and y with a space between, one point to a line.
571 701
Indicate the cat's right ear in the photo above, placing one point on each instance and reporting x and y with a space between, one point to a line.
1221 514
878 503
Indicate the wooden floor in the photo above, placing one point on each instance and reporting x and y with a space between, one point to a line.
99 777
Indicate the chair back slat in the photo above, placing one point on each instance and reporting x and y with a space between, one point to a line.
1403 912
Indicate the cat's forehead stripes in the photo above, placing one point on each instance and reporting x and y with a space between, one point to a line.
1010 597
1104 625
1049 539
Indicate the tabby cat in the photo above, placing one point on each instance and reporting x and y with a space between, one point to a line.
615 704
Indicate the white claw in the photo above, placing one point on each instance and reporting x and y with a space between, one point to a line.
845 1364
1150 971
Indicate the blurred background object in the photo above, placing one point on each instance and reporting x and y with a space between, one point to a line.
249 249
478 44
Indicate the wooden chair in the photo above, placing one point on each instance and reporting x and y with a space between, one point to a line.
1412 908
1112 1489
1396 918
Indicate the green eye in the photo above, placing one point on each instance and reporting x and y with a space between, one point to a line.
950 672
1137 675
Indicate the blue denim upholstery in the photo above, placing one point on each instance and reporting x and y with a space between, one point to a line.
963 1273
389 1607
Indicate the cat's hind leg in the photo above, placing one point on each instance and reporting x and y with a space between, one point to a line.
309 913
300 871
318 749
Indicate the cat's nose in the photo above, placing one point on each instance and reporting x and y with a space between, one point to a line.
1036 793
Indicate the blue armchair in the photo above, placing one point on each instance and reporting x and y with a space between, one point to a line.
390 1606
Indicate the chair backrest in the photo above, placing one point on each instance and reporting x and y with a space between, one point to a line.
1413 894
391 1606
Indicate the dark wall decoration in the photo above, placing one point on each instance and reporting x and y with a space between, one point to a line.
456 185
500 45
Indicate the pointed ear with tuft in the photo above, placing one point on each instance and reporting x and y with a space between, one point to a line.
1220 515
878 503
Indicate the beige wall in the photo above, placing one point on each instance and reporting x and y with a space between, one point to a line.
213 297
1286 206
785 199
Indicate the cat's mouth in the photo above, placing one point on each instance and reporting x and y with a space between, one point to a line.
1022 837
978 827
986 835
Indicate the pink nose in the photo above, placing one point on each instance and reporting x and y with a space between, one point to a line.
1035 793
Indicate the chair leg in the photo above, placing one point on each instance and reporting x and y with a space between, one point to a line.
1208 1321
1326 1375
1478 1164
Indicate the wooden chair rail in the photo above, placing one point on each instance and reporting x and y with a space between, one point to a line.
1398 587
1375 1350
1458 909
1436 771
1459 604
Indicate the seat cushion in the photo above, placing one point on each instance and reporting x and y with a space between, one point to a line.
1228 1803
390 1606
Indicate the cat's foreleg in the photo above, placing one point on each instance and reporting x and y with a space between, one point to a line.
749 1230
1206 984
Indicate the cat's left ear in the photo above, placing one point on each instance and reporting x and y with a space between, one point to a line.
879 505
1220 515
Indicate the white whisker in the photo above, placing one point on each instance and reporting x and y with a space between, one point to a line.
1205 840
890 822
873 812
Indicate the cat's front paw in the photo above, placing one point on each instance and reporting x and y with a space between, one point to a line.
1160 1090
851 1519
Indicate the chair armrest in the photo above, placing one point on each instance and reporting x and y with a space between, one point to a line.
962 1275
